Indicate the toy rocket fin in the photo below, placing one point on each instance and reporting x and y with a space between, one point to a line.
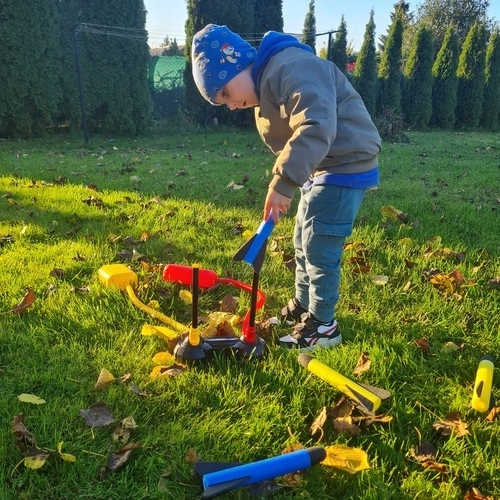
381 393
218 489
203 468
254 250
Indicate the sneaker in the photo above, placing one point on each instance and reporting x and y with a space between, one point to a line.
292 312
310 333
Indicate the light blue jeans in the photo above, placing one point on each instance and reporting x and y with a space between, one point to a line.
324 219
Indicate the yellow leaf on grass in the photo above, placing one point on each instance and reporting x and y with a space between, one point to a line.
407 242
163 358
65 456
343 457
36 461
105 378
31 398
390 213
247 234
186 297
380 279
160 331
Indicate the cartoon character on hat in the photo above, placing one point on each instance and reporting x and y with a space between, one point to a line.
229 54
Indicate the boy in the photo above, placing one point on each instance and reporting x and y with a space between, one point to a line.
325 143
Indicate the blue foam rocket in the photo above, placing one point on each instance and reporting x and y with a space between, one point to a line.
254 250
220 477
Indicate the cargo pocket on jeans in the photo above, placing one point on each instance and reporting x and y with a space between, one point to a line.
342 229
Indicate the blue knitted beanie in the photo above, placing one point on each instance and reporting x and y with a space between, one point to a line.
217 56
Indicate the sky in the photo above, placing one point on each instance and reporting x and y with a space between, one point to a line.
168 17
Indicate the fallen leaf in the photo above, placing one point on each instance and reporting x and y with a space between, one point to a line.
186 296
493 414
36 461
24 438
392 214
343 457
31 398
97 415
123 430
105 378
27 301
163 358
380 279
363 363
423 344
228 304
452 423
65 456
345 426
317 425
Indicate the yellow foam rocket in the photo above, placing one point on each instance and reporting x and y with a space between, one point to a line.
367 398
482 398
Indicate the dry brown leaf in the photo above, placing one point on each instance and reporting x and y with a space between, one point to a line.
105 378
228 304
345 426
24 439
425 451
97 415
192 456
27 301
363 363
317 425
493 414
452 423
475 494
368 420
343 408
423 344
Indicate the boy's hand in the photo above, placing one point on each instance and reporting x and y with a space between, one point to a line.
275 204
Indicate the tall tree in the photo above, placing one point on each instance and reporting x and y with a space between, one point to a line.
444 90
471 80
338 49
309 31
365 71
416 98
490 118
389 73
239 16
268 16
29 95
438 15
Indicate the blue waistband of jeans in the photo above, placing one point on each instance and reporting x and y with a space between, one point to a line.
359 180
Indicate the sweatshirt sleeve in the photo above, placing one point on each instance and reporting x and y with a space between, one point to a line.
310 107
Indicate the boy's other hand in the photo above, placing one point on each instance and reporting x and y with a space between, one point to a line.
275 204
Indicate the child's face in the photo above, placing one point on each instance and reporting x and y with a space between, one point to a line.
239 93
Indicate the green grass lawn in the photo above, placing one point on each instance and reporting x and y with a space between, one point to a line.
420 294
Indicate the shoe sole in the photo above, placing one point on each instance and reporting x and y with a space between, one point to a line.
323 343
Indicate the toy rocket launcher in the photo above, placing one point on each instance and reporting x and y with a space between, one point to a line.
178 273
482 398
254 250
220 477
367 397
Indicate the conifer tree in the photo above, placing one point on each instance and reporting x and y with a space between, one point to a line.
389 73
471 78
29 95
309 31
268 16
338 50
491 104
365 71
417 91
444 89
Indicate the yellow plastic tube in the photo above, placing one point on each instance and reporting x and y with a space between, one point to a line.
481 397
179 327
352 390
